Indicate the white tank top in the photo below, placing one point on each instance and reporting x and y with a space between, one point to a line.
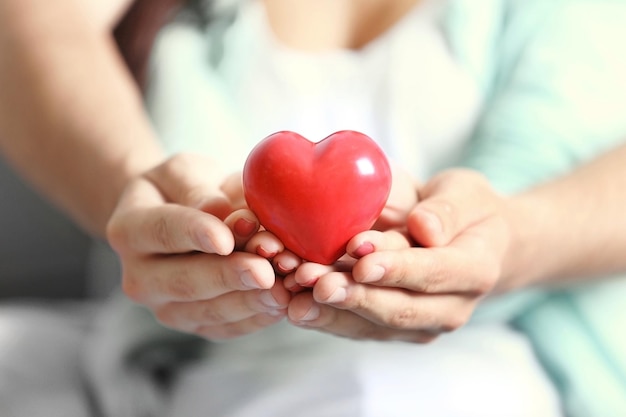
404 89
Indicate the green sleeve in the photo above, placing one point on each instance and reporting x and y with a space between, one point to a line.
558 94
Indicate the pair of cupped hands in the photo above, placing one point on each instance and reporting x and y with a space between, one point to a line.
199 259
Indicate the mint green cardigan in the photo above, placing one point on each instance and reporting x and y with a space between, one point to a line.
554 78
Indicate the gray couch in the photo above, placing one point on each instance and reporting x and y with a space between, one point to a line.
42 253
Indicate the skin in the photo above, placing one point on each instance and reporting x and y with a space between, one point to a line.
91 149
474 243
192 252
183 245
200 274
317 25
173 224
581 214
79 146
393 289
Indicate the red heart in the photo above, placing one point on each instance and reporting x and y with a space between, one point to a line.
316 196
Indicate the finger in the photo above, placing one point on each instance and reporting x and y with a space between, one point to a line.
290 283
240 328
392 307
309 272
305 312
168 229
243 225
228 308
471 264
286 262
371 241
450 203
192 180
195 277
264 244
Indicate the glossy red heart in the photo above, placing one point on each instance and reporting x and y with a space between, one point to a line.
316 196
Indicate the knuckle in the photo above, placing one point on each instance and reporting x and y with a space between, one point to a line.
486 283
165 315
212 332
261 321
133 288
449 213
423 338
435 279
454 322
465 175
431 283
222 332
397 276
401 270
194 196
161 234
176 164
229 333
486 280
180 286
369 332
223 277
210 315
475 177
359 299
404 318
115 233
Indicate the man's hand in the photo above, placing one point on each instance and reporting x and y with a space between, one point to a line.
197 264
416 283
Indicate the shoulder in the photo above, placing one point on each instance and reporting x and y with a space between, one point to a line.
490 37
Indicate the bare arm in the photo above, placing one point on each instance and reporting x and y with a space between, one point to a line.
71 118
573 226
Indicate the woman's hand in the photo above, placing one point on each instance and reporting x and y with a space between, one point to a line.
391 288
192 256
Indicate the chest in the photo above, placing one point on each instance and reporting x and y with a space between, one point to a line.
404 88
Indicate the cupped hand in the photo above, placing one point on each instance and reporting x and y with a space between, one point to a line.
416 283
192 255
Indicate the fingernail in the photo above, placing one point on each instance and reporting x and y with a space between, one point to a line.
244 227
268 300
312 314
283 269
268 254
287 265
248 280
338 296
364 249
375 273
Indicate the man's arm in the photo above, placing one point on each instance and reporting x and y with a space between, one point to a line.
71 119
573 226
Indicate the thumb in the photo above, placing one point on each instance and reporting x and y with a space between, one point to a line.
193 181
402 198
450 202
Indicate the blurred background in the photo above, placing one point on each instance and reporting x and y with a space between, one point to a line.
42 253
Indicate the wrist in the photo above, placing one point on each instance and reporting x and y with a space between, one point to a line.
523 259
132 162
540 240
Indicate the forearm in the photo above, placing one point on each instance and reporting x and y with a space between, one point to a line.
574 226
71 119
